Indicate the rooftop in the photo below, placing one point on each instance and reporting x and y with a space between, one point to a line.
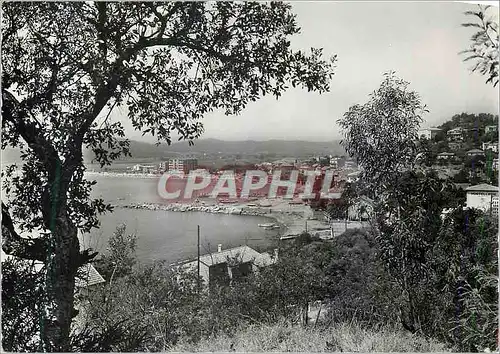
243 254
431 128
88 276
483 188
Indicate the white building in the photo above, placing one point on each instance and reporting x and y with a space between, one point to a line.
445 156
456 134
490 128
428 133
484 197
475 152
182 165
490 146
353 176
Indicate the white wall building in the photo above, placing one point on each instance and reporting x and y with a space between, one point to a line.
456 134
428 133
484 197
490 146
490 128
228 264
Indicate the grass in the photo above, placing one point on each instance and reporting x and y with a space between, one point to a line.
342 337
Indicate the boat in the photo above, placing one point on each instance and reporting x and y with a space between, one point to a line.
273 227
226 201
266 225
287 237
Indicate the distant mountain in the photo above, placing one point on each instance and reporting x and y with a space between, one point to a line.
291 148
274 148
470 121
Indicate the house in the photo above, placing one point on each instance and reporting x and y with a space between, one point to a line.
163 166
350 164
428 133
475 152
445 156
143 168
456 134
490 146
334 162
361 209
87 276
490 128
226 265
182 165
455 145
484 197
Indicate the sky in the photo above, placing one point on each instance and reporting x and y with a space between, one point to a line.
420 41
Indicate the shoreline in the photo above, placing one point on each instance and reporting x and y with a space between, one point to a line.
286 220
291 223
122 174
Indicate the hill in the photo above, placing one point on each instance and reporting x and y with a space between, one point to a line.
275 148
470 121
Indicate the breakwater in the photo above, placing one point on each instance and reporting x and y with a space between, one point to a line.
216 209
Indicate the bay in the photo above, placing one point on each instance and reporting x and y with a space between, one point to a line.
169 235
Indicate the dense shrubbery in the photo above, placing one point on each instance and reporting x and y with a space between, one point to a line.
452 297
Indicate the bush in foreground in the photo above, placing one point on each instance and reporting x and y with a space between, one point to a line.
342 337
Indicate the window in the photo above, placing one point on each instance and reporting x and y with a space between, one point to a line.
241 270
218 273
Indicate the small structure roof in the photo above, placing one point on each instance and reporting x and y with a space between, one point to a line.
243 254
483 188
88 276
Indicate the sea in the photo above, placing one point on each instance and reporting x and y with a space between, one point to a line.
169 235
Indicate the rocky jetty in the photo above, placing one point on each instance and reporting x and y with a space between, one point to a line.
216 209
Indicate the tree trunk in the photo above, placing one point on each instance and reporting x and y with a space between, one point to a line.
62 263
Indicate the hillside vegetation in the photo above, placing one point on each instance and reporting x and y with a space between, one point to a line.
283 337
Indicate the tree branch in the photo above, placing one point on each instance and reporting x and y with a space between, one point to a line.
15 245
31 132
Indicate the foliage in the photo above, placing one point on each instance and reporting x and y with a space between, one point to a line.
120 257
409 221
470 121
360 289
67 66
465 263
22 287
479 320
337 210
338 337
484 47
381 133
